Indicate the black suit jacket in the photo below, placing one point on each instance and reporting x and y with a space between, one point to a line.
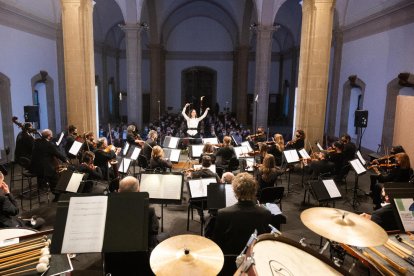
44 158
8 211
235 224
24 145
385 218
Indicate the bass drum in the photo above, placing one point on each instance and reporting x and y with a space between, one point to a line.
277 255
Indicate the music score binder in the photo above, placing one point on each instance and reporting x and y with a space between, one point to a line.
198 187
125 227
220 196
325 190
163 188
70 181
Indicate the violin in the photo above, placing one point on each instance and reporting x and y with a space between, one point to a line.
384 158
19 124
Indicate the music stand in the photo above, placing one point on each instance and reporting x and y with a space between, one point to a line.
291 157
325 190
170 142
75 148
163 188
71 182
172 154
213 141
124 165
359 169
305 156
196 151
220 195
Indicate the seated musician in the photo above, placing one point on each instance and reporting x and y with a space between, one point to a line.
208 150
336 156
205 171
258 137
9 210
158 161
133 137
227 178
276 148
149 144
268 172
89 144
233 225
321 166
103 156
349 147
70 138
225 153
384 216
298 142
45 156
87 166
400 172
24 143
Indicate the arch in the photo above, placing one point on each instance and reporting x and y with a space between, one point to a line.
352 82
44 77
393 90
6 115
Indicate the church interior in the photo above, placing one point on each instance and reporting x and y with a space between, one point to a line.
327 67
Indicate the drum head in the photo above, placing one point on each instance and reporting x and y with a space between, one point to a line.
8 233
277 258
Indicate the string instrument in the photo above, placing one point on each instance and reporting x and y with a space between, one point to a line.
385 158
255 136
376 167
19 124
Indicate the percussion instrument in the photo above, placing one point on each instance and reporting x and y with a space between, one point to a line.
343 227
187 255
9 233
270 254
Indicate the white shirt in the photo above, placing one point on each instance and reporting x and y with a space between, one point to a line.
193 122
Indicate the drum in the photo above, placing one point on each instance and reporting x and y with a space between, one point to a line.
277 255
9 233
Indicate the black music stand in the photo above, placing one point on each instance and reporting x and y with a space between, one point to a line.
291 157
71 182
359 169
324 191
163 188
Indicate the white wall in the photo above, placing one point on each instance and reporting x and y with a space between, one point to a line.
22 56
376 60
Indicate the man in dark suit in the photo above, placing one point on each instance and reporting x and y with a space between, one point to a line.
349 148
234 225
87 166
45 156
70 139
149 144
24 143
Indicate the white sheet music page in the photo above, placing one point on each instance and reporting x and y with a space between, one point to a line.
358 167
85 224
319 146
124 166
273 208
291 156
197 188
175 155
74 182
160 186
331 188
126 147
135 153
247 145
60 139
74 149
230 197
304 154
361 159
173 142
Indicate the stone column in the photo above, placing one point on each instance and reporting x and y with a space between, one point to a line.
61 78
241 75
134 82
77 25
314 67
157 97
263 62
104 93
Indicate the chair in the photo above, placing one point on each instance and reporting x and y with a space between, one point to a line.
27 175
233 164
200 205
342 175
272 195
142 162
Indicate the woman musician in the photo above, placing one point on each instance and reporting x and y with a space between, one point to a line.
103 155
277 147
298 142
87 166
193 120
158 161
133 138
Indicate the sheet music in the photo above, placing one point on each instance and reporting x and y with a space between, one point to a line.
196 150
126 148
85 224
230 197
304 154
405 208
249 164
198 187
319 146
172 154
247 145
211 168
162 186
60 139
331 188
291 156
241 151
74 182
171 142
74 149
273 208
361 159
358 167
135 153
124 165
212 140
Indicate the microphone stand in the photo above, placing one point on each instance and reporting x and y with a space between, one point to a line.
255 119
159 111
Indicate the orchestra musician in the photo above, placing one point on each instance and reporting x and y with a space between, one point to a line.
193 121
149 144
336 156
133 138
208 150
205 171
44 160
349 147
298 142
400 172
158 161
70 139
233 225
89 144
320 166
87 166
24 143
277 147
225 153
268 172
104 154
260 136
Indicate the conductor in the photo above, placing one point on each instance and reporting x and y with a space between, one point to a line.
192 122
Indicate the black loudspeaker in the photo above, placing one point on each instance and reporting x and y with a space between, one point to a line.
361 118
31 113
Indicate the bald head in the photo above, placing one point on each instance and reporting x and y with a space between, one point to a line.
128 184
47 134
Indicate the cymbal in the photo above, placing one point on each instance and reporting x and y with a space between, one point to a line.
187 255
344 227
